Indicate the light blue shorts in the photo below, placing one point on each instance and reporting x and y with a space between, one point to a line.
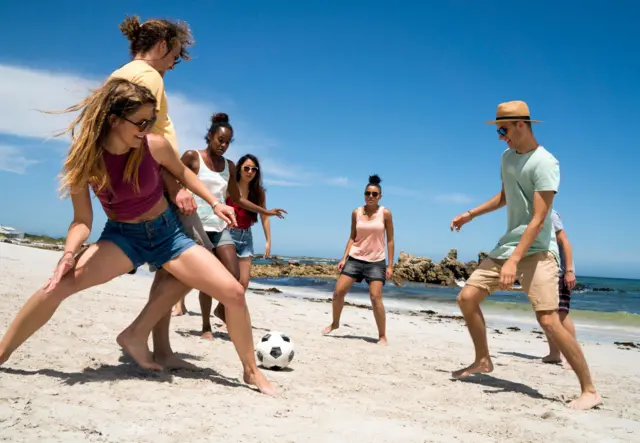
243 239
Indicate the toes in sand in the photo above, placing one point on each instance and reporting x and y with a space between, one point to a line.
481 367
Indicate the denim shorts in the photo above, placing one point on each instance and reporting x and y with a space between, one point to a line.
369 271
155 241
243 239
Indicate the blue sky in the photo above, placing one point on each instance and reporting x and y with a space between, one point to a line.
326 93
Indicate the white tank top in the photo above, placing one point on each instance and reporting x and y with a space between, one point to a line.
216 183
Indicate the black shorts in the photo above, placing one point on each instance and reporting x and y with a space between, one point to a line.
565 296
369 271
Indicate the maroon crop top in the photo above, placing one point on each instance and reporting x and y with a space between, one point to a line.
122 202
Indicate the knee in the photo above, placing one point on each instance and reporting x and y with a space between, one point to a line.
466 297
548 322
375 298
236 299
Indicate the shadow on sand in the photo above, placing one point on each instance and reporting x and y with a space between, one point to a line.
355 337
503 386
129 370
520 355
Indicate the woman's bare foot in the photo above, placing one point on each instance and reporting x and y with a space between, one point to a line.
177 313
172 362
330 328
207 335
484 366
257 379
138 350
179 309
552 359
586 401
219 312
382 340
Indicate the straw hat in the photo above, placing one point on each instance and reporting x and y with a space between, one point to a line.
512 111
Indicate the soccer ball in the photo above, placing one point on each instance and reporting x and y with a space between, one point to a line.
275 350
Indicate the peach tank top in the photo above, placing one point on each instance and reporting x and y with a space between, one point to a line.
369 243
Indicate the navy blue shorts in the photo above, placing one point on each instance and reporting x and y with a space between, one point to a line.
369 271
155 241
565 296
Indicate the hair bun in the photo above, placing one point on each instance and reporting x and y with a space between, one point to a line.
375 179
131 27
220 117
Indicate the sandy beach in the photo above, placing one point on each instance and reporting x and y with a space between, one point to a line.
70 382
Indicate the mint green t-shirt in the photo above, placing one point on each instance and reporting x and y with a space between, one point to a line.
523 175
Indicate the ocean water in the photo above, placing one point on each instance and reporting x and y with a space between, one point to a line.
605 310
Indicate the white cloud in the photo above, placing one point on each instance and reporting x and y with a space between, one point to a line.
12 160
24 92
454 197
285 183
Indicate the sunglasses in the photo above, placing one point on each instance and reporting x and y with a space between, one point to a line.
502 131
144 124
249 169
371 194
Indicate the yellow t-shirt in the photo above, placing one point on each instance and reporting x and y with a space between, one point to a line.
140 72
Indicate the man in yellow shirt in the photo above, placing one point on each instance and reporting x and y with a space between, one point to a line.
156 47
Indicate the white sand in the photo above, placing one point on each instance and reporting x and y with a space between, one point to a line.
69 382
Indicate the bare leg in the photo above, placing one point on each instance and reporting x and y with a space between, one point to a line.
167 287
100 263
469 301
245 271
197 268
227 256
375 293
569 347
180 308
555 356
343 285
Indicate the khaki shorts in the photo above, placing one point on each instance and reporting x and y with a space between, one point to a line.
538 274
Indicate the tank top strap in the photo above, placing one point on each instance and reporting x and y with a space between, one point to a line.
380 214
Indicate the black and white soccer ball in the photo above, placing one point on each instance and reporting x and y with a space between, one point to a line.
275 350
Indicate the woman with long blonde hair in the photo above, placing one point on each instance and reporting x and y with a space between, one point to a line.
114 155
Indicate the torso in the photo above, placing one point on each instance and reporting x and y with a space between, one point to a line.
217 183
243 217
369 244
522 175
121 202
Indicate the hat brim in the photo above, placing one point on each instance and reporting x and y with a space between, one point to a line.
494 122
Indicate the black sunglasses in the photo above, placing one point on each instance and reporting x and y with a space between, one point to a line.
371 194
250 169
143 125
502 131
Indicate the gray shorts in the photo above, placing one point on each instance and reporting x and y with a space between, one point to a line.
369 271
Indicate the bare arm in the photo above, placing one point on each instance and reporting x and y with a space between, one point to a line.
388 224
352 236
164 154
80 227
564 242
542 202
266 226
493 204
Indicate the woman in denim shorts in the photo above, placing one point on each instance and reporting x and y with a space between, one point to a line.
219 175
365 257
114 155
249 182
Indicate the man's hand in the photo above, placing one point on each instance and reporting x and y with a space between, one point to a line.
460 220
508 274
185 202
570 279
389 272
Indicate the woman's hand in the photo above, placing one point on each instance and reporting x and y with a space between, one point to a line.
277 212
227 214
65 264
389 272
185 202
460 220
267 250
341 265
